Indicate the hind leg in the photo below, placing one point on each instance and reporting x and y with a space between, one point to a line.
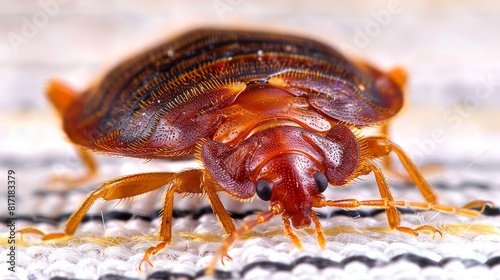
390 167
381 146
61 97
393 215
399 77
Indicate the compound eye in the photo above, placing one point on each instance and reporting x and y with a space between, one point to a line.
321 181
264 190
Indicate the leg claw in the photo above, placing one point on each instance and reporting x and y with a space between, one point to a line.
416 231
149 252
45 237
225 256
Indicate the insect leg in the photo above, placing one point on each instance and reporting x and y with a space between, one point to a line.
74 181
388 204
465 210
289 232
393 215
246 227
387 161
382 146
61 96
389 166
189 181
120 188
398 76
319 230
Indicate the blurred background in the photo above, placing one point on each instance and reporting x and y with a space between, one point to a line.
450 48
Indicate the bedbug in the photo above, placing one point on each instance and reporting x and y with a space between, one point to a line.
267 115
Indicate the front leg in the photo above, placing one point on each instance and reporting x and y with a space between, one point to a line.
190 181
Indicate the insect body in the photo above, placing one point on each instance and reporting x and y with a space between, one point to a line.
267 115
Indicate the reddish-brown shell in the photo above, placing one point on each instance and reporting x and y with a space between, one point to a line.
162 102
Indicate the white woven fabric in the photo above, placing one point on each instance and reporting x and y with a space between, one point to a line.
117 247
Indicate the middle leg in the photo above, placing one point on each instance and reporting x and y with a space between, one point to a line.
393 215
382 146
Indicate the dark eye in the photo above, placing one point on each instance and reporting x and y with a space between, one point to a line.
321 181
264 190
